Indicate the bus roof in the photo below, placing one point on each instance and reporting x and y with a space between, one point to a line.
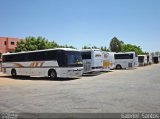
123 52
142 55
85 50
65 49
108 52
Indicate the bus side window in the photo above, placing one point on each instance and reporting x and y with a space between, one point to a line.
51 55
62 58
11 58
32 56
59 58
6 58
20 57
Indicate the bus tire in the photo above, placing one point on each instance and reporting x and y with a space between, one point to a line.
118 67
52 74
13 73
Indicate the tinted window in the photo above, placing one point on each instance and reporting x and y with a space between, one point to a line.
4 58
140 58
20 57
123 56
41 56
147 58
32 56
50 55
86 55
74 58
9 58
61 58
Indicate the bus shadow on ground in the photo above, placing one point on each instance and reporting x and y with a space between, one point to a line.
95 73
107 71
38 78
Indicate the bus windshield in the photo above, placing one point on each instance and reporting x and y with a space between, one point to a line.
74 59
141 58
86 55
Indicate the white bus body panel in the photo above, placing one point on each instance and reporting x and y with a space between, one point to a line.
126 63
136 62
150 61
108 61
87 65
97 59
144 60
112 60
41 68
95 63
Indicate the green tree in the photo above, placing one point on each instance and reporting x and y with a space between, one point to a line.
86 47
95 47
116 45
66 46
33 43
104 49
132 48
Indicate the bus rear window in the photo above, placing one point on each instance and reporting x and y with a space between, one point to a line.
86 55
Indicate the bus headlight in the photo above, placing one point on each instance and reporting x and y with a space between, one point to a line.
79 63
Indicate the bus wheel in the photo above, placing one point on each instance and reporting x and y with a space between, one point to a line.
118 67
52 74
13 73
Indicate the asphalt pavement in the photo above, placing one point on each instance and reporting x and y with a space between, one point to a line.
136 90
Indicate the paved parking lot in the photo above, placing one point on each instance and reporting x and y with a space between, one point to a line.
136 90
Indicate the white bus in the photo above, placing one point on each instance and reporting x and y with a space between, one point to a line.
142 60
58 62
92 60
149 59
125 60
156 59
108 61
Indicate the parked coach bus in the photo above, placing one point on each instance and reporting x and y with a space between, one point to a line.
156 59
59 62
92 60
125 60
142 60
108 61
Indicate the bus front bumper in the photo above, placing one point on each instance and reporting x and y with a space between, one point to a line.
75 73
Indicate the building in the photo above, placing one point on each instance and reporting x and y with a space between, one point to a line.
7 45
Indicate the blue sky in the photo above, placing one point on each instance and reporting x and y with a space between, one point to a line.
83 22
